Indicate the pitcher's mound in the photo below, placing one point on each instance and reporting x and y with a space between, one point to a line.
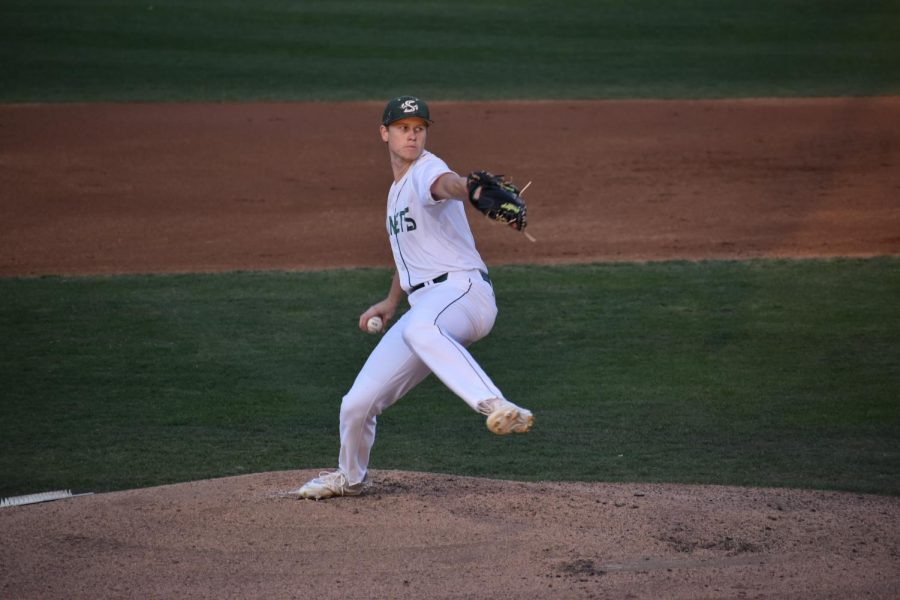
419 535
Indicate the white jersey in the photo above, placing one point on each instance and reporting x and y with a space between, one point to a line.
428 237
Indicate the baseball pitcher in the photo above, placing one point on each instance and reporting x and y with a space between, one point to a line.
448 289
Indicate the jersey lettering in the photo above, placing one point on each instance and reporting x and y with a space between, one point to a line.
399 222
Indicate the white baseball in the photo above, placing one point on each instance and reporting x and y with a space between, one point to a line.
374 324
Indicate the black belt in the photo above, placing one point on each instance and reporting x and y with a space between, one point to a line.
442 278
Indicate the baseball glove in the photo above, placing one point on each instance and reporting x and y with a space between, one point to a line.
497 198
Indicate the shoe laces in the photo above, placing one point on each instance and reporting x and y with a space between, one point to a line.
486 407
337 481
334 479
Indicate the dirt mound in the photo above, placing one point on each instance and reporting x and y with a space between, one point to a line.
434 536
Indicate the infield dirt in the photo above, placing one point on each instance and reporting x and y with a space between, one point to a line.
125 188
156 187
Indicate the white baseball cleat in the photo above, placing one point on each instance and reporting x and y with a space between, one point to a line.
328 485
504 417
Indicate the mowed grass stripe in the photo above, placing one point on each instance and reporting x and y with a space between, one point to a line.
352 50
764 373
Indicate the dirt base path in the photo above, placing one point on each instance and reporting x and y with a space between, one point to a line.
171 188
158 187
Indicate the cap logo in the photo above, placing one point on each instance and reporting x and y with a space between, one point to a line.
409 106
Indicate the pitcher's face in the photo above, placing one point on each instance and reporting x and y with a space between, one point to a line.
405 138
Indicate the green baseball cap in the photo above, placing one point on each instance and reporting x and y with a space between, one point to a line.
405 107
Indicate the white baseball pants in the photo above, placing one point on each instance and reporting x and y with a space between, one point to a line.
431 337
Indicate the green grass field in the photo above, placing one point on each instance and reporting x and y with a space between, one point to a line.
772 373
348 50
754 373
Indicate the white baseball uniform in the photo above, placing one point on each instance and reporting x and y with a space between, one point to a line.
451 306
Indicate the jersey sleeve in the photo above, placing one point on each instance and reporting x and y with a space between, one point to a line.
431 169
